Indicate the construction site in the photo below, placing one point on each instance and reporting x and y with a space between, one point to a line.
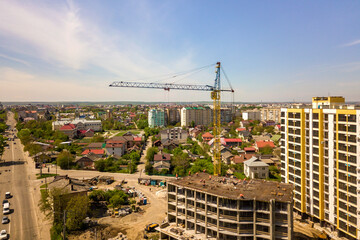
222 208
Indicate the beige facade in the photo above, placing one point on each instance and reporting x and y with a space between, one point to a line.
196 115
271 114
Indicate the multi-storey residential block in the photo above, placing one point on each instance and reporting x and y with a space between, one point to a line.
320 149
202 206
272 114
172 115
176 133
156 118
196 116
251 115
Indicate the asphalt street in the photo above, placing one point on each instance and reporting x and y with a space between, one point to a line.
14 178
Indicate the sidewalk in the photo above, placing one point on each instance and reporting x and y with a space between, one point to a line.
43 224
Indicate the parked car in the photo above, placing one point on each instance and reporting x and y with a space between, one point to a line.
3 234
6 208
7 195
5 220
5 201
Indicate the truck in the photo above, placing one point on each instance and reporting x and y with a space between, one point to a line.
151 227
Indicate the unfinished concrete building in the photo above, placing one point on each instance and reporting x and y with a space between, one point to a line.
202 206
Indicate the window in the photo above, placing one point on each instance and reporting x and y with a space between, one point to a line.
263 168
255 168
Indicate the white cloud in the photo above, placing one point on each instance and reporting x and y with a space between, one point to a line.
14 59
57 34
353 43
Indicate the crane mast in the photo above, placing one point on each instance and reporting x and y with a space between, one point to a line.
215 96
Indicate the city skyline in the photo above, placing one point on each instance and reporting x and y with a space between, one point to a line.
272 52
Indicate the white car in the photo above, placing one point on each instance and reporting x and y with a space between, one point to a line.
7 195
5 220
3 234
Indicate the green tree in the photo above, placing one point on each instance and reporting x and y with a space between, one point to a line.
97 138
25 136
2 145
266 150
202 164
118 200
65 160
33 149
142 123
77 209
150 153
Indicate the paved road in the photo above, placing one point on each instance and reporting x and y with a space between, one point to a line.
15 179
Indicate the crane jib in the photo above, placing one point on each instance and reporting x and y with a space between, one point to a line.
166 86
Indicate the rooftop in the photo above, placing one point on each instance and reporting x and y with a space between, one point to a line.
232 188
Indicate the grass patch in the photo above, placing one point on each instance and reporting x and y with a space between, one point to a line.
45 175
239 175
44 185
120 133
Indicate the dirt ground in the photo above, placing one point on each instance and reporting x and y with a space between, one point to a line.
132 225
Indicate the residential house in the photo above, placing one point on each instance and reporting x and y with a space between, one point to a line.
69 130
96 145
241 158
262 144
194 132
226 157
255 168
114 147
160 165
170 144
233 142
207 137
162 157
87 161
267 123
249 150
86 133
97 152
245 135
244 123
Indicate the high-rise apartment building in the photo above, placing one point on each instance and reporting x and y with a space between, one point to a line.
156 118
208 207
271 114
251 115
195 115
172 115
320 149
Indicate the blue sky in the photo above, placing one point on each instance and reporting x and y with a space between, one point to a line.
270 50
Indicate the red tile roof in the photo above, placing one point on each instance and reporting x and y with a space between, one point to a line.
114 145
137 139
232 140
162 157
262 144
68 127
241 129
248 149
95 151
242 158
207 135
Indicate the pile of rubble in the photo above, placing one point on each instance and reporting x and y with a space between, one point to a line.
120 236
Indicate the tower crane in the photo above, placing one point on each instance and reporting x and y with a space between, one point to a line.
215 96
